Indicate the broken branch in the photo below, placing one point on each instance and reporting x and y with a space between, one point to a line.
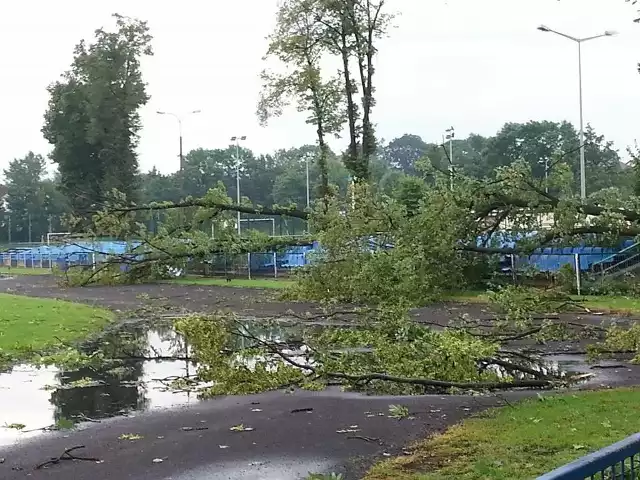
66 455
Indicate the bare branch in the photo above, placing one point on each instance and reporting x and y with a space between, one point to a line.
209 204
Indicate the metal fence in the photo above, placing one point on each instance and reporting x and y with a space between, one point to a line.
583 268
620 461
547 267
247 265
48 260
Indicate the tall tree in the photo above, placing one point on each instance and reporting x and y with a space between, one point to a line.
634 180
290 184
338 39
604 168
367 23
296 43
204 168
537 143
156 187
350 30
403 152
25 197
93 121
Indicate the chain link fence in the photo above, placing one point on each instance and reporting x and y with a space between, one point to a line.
249 265
571 269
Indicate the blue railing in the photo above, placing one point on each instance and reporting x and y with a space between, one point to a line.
620 461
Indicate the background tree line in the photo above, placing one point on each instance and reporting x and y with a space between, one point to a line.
34 198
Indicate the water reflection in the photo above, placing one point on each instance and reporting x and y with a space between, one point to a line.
51 397
46 397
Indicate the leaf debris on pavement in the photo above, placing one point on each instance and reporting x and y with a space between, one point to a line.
241 428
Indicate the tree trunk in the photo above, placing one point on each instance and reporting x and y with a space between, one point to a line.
361 169
352 154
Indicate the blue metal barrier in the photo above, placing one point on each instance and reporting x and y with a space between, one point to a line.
620 461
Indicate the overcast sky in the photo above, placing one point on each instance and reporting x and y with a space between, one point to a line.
467 63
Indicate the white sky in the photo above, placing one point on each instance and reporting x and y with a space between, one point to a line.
468 63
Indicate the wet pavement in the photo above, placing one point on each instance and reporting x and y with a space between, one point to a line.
137 428
341 433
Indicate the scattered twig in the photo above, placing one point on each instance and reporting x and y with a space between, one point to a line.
608 366
83 417
66 455
326 316
156 358
520 336
172 378
366 439
514 367
584 352
586 326
574 304
300 410
193 429
503 398
515 353
48 428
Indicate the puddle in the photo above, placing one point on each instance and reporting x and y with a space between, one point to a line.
51 398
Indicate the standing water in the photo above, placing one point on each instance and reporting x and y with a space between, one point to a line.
34 400
141 364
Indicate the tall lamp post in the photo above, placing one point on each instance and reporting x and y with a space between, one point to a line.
307 156
545 162
580 41
180 131
237 141
451 133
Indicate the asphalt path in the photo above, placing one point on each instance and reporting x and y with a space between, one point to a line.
330 432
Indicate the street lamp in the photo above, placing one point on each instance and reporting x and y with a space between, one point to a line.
237 140
308 156
545 162
450 136
180 131
580 41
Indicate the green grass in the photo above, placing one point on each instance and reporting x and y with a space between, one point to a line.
522 442
610 304
24 271
240 282
37 324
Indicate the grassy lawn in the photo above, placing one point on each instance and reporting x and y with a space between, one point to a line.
240 282
612 304
39 323
24 271
522 442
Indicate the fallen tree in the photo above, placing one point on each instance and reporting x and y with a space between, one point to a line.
385 351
